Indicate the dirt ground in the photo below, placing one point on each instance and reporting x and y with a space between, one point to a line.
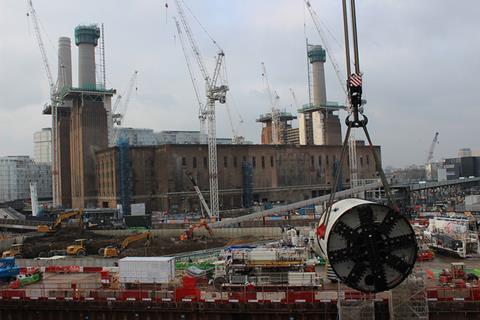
157 246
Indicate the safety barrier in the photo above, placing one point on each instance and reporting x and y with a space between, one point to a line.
194 294
190 290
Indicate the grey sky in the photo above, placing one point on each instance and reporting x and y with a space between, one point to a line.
420 59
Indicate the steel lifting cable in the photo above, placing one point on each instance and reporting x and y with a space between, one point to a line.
354 85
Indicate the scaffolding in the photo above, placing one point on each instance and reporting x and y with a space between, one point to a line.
409 299
360 308
125 181
247 172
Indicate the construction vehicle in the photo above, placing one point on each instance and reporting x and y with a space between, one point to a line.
78 248
113 251
60 219
8 269
15 251
188 234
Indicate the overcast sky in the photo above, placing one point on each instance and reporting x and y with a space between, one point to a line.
420 60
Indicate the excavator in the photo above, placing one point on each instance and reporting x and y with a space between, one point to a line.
62 217
188 234
113 251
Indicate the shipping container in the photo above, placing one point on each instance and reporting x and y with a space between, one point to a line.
146 269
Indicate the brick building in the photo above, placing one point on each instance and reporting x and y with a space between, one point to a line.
284 173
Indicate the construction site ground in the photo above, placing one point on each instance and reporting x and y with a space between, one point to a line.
43 243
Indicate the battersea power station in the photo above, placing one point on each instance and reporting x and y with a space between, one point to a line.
157 175
92 168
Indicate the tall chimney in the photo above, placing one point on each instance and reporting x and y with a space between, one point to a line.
64 77
317 57
86 38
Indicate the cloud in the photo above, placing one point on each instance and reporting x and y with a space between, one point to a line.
419 60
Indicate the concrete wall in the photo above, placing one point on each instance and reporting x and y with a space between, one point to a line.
64 187
229 233
84 262
89 134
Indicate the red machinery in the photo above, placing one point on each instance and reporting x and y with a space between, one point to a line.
188 234
456 275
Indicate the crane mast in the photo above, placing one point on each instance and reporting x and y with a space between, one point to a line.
275 113
54 101
120 108
214 93
432 148
33 14
201 106
294 96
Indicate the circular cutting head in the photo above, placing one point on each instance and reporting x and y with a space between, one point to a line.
371 248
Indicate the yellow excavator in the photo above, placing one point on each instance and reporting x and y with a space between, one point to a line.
113 251
62 217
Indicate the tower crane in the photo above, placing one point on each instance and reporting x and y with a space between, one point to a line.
432 148
274 101
120 106
236 138
54 101
214 93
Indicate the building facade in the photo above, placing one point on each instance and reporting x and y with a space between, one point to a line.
148 137
42 146
461 167
247 174
16 173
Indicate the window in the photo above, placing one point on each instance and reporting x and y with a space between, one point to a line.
194 162
326 159
368 160
235 161
312 161
225 162
361 161
205 163
271 161
263 162
319 161
244 159
254 162
184 161
334 158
